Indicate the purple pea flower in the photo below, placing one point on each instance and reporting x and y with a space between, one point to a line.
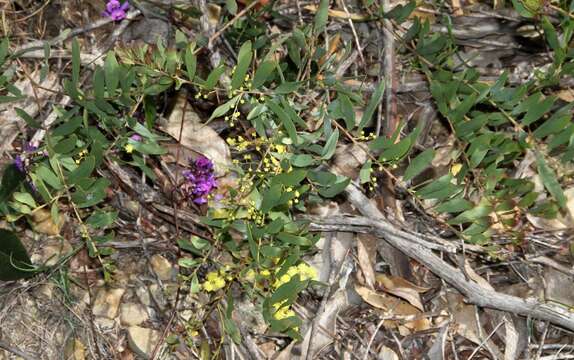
19 163
115 10
136 137
30 148
200 180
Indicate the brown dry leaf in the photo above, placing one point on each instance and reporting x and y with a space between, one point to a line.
387 353
43 222
464 317
198 136
394 306
339 13
213 14
566 95
559 287
333 46
477 278
35 98
366 253
349 159
402 288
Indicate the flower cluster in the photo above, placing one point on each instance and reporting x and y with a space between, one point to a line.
200 180
305 272
115 10
214 282
282 312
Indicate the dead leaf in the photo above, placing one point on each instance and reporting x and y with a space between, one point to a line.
559 287
464 317
402 288
333 45
366 254
349 159
393 306
35 98
339 14
198 136
387 353
566 95
43 222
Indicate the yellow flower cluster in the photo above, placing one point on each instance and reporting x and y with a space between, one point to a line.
129 148
305 272
253 214
282 312
81 155
214 282
362 136
250 274
294 200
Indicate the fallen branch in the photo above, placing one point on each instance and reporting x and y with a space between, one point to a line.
361 224
475 293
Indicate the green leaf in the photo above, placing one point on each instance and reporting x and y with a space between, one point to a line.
231 6
536 112
418 164
76 63
398 150
302 160
321 16
66 145
263 73
454 206
373 104
480 211
25 198
243 62
330 146
365 172
335 189
224 108
111 73
27 118
190 62
292 178
523 10
83 171
213 77
550 33
287 88
287 291
293 239
285 120
11 180
4 44
68 127
101 219
271 198
49 177
550 182
194 245
94 195
13 257
400 13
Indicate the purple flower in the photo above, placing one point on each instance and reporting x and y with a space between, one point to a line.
136 137
200 180
115 10
28 147
19 162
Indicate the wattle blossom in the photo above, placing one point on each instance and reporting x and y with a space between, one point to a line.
115 10
200 180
